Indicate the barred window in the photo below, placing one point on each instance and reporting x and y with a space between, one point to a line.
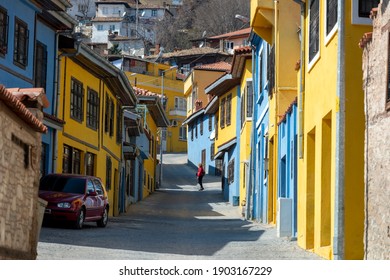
201 125
3 31
106 114
118 123
76 100
222 113
40 71
314 27
71 160
21 38
90 164
92 109
212 151
210 122
183 133
112 114
243 97
331 15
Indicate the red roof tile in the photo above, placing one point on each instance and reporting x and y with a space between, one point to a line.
217 66
144 92
33 94
238 33
20 110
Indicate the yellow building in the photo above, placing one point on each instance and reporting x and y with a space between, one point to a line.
277 22
91 94
331 128
152 113
242 69
162 79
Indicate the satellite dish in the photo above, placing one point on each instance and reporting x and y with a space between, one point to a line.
204 33
201 44
142 14
124 14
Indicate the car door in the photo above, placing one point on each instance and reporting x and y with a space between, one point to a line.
100 198
91 203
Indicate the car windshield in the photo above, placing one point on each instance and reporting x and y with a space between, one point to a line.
63 184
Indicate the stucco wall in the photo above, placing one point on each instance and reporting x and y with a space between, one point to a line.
19 179
377 148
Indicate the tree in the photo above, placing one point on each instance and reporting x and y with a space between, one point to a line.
216 17
114 49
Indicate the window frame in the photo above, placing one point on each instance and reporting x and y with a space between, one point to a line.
231 171
330 31
76 100
229 109
92 109
21 42
183 133
108 173
249 99
222 113
4 24
312 58
40 67
356 19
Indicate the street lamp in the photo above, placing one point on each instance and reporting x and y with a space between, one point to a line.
163 130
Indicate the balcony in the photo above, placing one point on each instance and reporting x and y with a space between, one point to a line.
262 18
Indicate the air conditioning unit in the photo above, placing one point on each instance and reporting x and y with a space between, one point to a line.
284 217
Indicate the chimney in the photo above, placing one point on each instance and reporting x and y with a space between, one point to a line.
33 98
198 105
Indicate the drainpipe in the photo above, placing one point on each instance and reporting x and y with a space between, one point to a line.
338 239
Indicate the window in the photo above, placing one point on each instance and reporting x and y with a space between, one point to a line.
201 125
314 29
228 109
90 164
105 10
112 27
71 159
154 13
249 101
118 123
76 100
271 70
210 122
365 7
40 66
3 31
100 27
106 114
216 126
243 107
260 72
92 109
192 132
21 43
231 171
183 133
180 104
196 129
212 151
112 114
222 113
331 15
108 172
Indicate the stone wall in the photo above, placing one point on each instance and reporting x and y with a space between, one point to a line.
20 150
377 144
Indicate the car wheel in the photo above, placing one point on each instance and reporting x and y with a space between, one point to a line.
80 219
104 220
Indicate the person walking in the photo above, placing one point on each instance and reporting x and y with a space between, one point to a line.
200 175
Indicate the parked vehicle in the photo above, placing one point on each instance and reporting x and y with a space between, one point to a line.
74 198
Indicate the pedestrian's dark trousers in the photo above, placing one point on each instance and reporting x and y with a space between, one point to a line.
200 178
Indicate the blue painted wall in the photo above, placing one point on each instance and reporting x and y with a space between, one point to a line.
287 160
199 142
258 192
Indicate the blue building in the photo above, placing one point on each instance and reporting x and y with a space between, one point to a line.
200 141
29 57
287 173
257 200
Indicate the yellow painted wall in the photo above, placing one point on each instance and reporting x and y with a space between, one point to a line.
245 138
172 88
77 135
229 131
317 169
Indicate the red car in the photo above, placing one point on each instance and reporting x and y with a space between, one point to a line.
74 198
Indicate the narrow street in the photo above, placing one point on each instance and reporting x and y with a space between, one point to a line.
176 222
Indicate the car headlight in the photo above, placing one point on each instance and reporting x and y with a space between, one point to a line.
63 205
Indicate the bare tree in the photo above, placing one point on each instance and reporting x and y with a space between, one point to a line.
84 7
214 17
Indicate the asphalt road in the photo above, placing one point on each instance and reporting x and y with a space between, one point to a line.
177 222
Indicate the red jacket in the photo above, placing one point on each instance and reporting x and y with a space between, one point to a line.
200 172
